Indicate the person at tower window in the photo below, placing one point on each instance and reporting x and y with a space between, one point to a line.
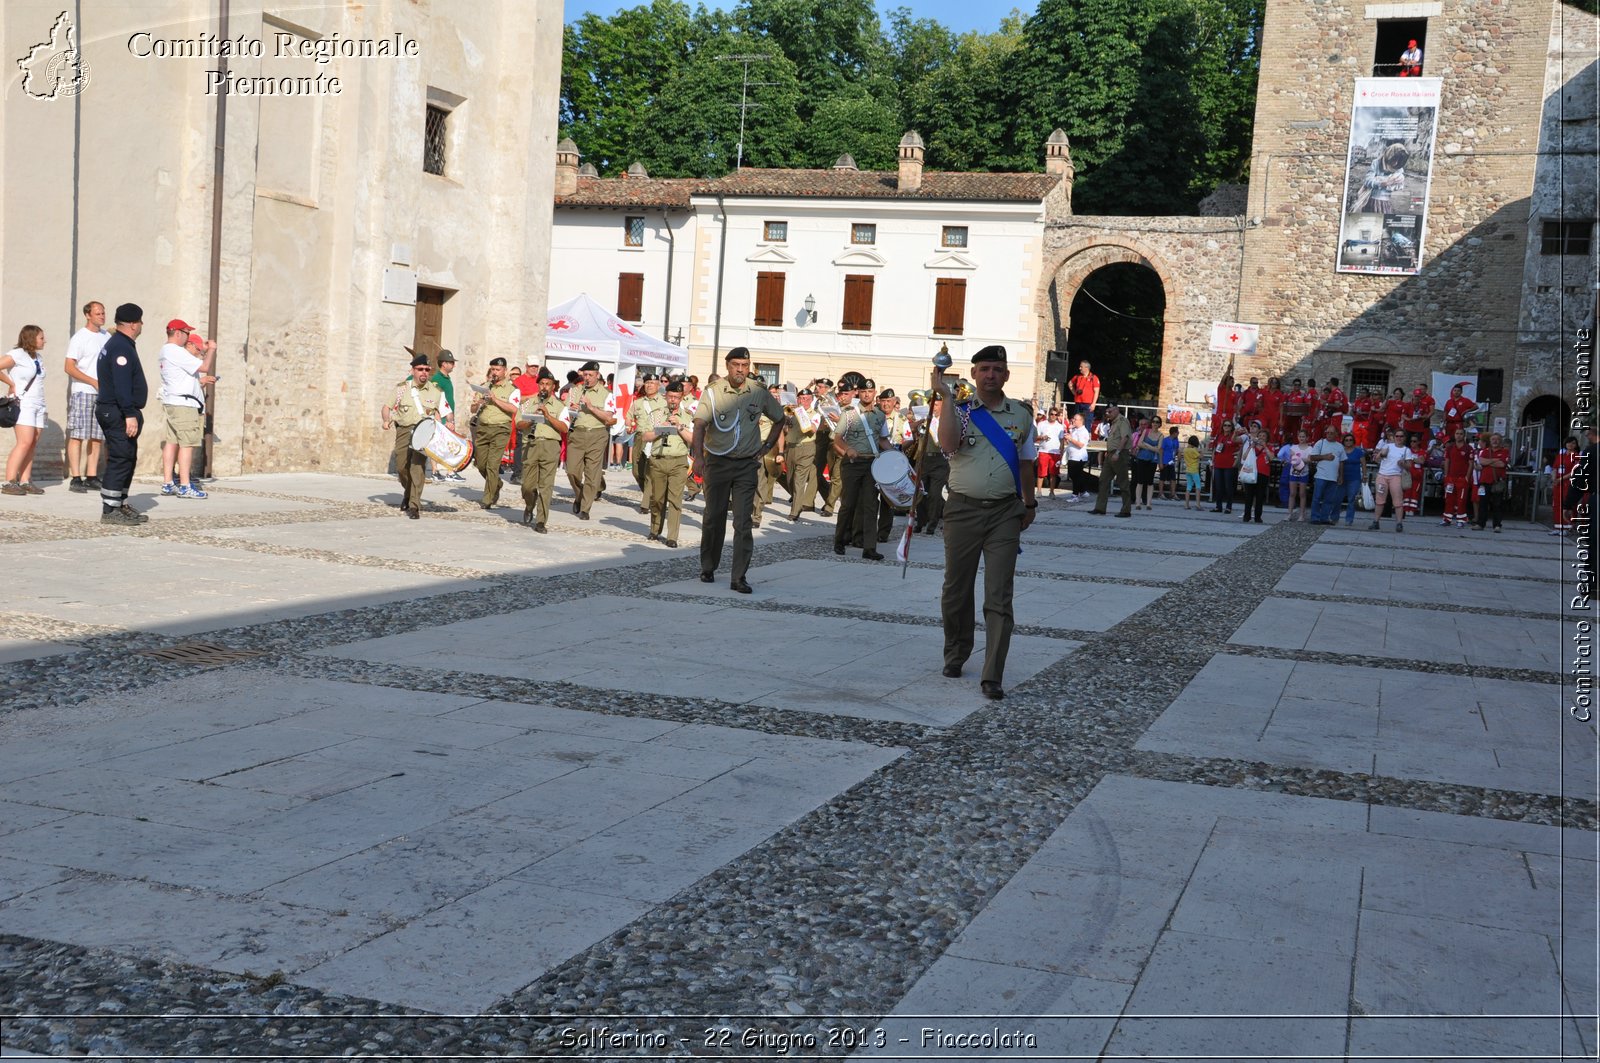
1411 61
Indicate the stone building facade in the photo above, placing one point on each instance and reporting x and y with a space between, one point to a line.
313 232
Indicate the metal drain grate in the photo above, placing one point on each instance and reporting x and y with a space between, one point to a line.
200 653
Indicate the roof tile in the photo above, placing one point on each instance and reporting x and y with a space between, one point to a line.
674 192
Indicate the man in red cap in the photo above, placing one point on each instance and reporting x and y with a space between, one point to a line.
1411 61
1419 412
186 362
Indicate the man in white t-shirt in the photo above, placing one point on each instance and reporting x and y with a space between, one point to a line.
186 361
1327 458
1047 437
83 431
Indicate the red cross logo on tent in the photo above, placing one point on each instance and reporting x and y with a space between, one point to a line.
620 329
562 324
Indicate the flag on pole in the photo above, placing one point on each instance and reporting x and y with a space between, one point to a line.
902 553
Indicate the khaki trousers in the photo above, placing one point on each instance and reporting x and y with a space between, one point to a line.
766 479
586 457
488 445
540 457
990 531
802 461
410 466
1115 468
730 487
664 494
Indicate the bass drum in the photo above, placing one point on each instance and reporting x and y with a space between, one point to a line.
447 449
892 472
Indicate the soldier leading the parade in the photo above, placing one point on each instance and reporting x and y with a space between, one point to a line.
727 452
989 442
415 400
492 412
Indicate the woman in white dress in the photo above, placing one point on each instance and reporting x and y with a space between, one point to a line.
22 372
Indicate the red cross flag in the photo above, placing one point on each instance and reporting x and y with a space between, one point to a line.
1232 337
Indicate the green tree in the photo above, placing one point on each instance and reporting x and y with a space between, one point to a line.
863 124
693 129
612 73
965 106
832 43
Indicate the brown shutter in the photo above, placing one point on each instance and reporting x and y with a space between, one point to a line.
769 299
949 306
857 303
630 296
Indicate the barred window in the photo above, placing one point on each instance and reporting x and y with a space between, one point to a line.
433 140
954 236
1566 237
1366 380
863 233
633 231
776 232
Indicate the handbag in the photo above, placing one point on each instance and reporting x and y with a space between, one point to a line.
1405 479
1366 502
1247 467
11 405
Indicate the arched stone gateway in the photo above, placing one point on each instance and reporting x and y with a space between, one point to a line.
1197 260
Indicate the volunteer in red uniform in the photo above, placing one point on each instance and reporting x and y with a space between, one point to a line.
1226 410
1395 410
1312 421
1085 388
1493 461
1250 404
1565 463
1419 412
1417 443
1457 408
1295 405
1272 409
1363 412
1335 404
1224 472
1457 479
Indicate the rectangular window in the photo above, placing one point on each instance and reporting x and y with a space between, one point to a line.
769 299
1566 237
1394 55
630 296
766 372
1369 381
949 306
953 236
857 303
632 232
776 232
433 140
863 233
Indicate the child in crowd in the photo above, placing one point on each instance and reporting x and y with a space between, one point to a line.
1191 472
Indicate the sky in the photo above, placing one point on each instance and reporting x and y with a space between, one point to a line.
958 15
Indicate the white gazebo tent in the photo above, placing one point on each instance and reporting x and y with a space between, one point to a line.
581 330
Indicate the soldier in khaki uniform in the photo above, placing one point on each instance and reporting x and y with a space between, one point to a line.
1115 464
771 468
594 412
988 510
491 428
799 454
545 415
415 400
727 450
856 441
644 413
669 466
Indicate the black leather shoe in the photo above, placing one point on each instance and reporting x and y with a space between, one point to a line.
414 513
838 548
672 544
707 577
871 555
583 516
741 586
575 507
952 671
527 515
992 691
652 537
540 528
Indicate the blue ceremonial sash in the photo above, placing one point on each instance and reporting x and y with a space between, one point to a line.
979 415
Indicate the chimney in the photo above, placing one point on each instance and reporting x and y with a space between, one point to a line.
637 171
588 170
845 162
566 167
1058 155
911 152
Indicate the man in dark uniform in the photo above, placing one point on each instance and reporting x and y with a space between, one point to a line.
727 451
990 444
855 443
119 410
542 418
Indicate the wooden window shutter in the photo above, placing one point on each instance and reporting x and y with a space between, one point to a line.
630 296
949 306
857 303
769 299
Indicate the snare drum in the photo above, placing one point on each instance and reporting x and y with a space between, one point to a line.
447 449
892 472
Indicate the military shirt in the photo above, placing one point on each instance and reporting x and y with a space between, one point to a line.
733 417
490 414
853 429
552 408
647 413
977 468
596 396
1119 436
800 427
672 445
407 395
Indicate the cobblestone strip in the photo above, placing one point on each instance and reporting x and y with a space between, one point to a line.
1452 798
1473 671
1386 603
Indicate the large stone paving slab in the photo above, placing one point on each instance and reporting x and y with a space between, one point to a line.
1533 568
1085 560
1424 538
1182 920
1402 633
1106 533
1452 729
194 588
875 670
422 849
915 592
1442 589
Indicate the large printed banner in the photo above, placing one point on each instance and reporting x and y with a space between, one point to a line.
1386 183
